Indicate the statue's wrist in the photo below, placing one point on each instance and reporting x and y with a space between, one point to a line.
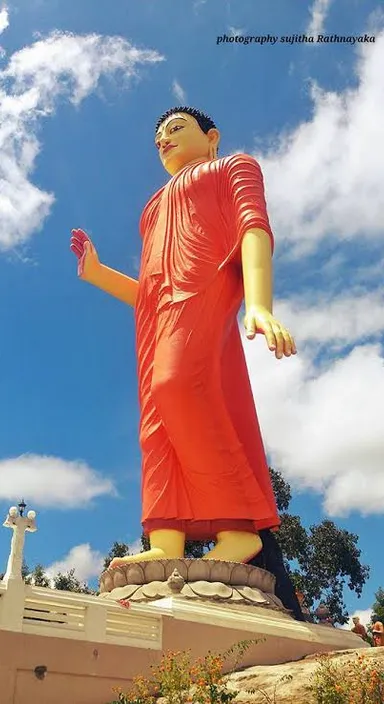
255 308
95 275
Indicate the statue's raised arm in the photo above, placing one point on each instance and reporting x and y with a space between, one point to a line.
91 270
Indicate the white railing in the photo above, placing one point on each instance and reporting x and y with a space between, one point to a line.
49 612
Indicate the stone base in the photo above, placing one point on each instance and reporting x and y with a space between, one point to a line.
211 605
191 579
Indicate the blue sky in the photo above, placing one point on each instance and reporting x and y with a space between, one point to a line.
81 87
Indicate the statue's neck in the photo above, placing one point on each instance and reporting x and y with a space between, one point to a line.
200 160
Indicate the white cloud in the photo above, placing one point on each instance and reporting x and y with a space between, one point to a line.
364 616
4 19
236 31
51 481
179 92
323 423
135 546
324 177
197 4
65 65
86 562
322 412
319 11
335 322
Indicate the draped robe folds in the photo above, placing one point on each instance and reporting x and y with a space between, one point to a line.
204 468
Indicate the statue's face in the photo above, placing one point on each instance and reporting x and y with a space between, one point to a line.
180 140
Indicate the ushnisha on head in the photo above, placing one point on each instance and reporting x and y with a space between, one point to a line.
183 136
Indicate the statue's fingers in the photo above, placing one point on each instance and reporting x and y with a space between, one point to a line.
293 345
270 337
250 328
75 239
81 235
78 251
288 343
279 340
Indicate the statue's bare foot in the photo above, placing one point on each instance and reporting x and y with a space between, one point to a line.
153 554
166 544
235 546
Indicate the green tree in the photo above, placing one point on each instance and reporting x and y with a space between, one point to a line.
378 606
117 550
37 577
329 563
68 582
281 489
62 581
322 560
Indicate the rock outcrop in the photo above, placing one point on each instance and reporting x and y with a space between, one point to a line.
289 682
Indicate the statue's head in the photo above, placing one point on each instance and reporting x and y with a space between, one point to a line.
184 135
356 620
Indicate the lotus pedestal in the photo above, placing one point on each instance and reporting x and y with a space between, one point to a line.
210 605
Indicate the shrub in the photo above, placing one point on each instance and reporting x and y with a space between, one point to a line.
360 681
181 681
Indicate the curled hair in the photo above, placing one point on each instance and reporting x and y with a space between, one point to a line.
204 121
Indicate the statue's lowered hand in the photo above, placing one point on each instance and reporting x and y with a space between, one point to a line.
259 320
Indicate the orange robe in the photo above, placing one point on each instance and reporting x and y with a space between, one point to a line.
204 468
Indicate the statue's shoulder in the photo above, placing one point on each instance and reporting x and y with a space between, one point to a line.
236 161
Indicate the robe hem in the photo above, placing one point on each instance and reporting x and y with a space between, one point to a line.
208 529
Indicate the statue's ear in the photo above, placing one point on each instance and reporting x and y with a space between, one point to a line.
214 136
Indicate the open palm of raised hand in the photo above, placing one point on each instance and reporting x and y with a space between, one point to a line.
88 260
